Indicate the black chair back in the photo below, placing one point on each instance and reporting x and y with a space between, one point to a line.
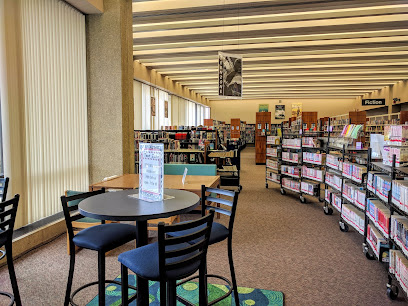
70 209
230 205
8 218
193 250
4 182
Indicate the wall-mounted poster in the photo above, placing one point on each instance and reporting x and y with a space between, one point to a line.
279 111
296 109
263 108
166 109
229 75
153 106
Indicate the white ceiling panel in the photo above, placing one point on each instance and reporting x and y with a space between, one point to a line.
314 48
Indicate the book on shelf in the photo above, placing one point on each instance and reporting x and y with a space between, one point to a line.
291 184
333 180
290 157
375 240
314 158
396 135
399 195
272 164
401 156
312 173
294 143
399 232
309 188
273 177
380 215
399 267
290 170
272 140
353 217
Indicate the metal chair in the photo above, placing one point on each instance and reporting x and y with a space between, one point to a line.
7 218
171 259
101 238
81 223
4 182
219 232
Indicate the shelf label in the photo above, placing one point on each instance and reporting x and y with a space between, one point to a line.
151 169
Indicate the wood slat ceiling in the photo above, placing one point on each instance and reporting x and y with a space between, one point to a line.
290 49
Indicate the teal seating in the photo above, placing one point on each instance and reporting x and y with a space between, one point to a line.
193 169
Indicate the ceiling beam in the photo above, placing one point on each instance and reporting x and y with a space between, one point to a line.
166 6
396 18
286 44
280 17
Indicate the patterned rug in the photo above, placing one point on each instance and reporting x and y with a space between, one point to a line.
189 291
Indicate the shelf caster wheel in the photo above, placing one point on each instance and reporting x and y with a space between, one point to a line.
283 192
321 200
266 185
302 199
328 210
240 187
343 227
367 253
392 292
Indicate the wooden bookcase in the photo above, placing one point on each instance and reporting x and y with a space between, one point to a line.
263 123
309 120
235 128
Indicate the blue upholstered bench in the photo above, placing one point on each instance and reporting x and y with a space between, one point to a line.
193 169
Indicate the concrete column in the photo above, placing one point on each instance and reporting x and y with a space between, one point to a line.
110 90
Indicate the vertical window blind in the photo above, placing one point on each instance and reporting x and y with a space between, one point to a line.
56 133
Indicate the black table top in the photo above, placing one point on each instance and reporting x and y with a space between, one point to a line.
118 206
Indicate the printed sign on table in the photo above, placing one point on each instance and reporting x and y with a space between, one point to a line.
151 171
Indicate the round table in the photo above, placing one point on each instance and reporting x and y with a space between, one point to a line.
119 206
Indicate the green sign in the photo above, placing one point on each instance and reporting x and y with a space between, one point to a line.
263 107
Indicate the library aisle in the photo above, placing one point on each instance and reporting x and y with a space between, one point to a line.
279 244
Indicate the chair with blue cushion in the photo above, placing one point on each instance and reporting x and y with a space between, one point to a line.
81 223
171 259
220 232
7 219
101 238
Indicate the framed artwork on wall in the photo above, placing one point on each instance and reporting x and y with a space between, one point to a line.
279 111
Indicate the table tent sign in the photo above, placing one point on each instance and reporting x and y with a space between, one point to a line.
151 169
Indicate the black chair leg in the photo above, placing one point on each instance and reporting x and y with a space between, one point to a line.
202 285
232 269
163 293
12 273
171 293
70 275
125 281
101 278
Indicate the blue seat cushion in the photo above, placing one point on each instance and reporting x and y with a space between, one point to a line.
105 237
144 261
218 233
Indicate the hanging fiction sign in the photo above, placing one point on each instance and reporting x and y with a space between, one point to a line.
373 102
229 75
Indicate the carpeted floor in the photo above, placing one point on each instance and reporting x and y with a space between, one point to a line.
279 244
189 291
